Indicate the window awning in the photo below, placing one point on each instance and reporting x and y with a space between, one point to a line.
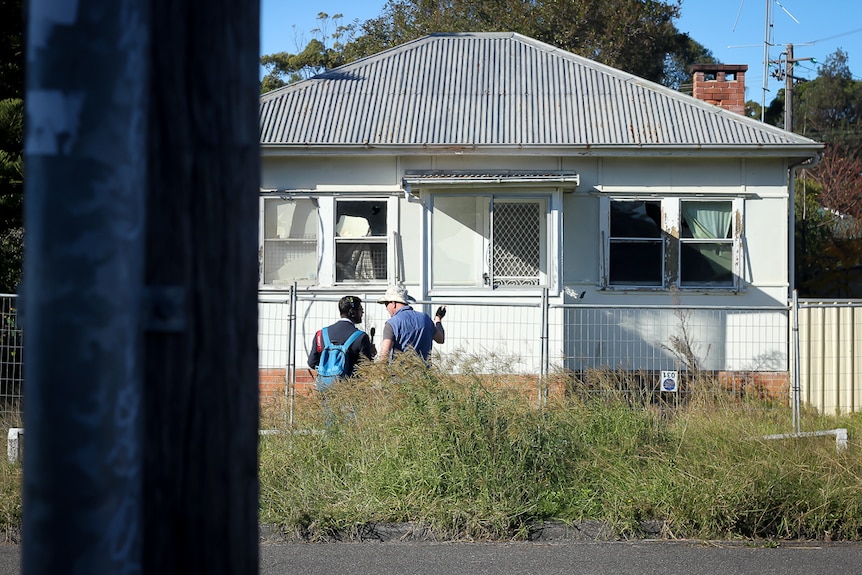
473 178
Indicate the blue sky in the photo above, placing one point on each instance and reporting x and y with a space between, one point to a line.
733 29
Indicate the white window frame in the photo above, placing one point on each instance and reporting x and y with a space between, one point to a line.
671 226
326 239
264 243
549 201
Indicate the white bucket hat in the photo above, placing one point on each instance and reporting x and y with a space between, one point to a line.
396 294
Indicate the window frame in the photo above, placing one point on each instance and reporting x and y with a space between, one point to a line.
338 240
264 241
549 204
672 242
326 241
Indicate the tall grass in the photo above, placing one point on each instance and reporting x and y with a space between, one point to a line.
468 457
10 488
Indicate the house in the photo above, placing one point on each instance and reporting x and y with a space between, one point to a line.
493 169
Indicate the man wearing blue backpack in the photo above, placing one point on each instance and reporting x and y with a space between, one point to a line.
337 348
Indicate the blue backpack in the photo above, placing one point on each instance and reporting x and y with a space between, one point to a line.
333 359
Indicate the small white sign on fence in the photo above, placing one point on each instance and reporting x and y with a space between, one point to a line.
669 380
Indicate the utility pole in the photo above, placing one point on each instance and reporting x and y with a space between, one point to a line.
85 151
789 78
139 297
788 89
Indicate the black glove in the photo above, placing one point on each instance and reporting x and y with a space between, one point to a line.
441 311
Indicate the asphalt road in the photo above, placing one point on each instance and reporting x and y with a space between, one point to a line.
593 558
582 558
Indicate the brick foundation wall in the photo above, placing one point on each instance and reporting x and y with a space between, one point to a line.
760 384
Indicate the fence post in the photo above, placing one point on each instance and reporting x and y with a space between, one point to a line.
290 370
543 367
795 389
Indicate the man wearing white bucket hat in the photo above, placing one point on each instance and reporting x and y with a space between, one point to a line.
407 328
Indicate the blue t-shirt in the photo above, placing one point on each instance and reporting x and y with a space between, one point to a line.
412 329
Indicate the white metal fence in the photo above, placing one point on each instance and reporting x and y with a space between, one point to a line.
747 350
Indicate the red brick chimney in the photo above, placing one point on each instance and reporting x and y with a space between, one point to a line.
721 84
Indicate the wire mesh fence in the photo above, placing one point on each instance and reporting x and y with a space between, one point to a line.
649 353
11 361
669 354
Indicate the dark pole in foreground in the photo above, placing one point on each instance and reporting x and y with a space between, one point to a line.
201 394
84 213
139 298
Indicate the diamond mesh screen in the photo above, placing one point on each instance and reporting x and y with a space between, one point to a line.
517 243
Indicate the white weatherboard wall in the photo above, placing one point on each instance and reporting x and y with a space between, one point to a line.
741 341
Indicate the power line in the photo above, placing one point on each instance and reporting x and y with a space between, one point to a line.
836 36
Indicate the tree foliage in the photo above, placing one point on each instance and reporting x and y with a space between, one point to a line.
829 107
324 52
11 144
829 221
637 36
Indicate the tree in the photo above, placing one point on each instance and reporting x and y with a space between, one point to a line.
829 227
631 35
828 107
11 193
284 67
637 36
839 176
829 219
11 144
11 49
677 65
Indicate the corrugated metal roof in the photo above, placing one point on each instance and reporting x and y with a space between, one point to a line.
490 90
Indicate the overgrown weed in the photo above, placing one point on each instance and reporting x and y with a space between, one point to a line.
470 456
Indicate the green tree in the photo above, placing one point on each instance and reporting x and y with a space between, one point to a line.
11 193
633 35
11 49
677 65
11 144
829 221
637 36
324 52
828 108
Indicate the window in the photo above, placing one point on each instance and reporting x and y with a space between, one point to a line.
489 241
360 241
706 244
324 241
289 241
660 243
636 247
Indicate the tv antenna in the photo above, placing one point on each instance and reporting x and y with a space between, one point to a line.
767 44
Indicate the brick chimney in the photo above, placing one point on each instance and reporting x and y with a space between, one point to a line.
721 84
